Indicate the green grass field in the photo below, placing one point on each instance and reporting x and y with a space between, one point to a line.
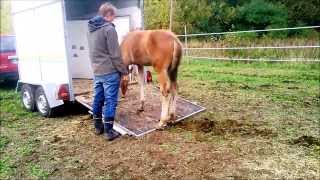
262 121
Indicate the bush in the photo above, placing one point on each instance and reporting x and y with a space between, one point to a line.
260 14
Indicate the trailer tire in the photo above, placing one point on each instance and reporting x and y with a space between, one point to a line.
42 104
27 97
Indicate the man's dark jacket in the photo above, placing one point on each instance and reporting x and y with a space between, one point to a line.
104 48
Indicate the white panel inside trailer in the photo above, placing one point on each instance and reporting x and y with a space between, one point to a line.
135 17
122 25
78 41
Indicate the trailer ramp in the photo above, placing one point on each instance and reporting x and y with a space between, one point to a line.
130 121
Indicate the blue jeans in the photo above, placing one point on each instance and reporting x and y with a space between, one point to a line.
106 88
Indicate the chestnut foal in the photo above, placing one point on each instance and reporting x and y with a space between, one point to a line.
162 50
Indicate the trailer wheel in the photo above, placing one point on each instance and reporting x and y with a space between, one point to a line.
27 97
42 104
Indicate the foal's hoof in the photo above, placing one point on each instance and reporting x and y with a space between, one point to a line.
170 123
161 126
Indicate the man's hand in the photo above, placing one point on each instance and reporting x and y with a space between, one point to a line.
124 84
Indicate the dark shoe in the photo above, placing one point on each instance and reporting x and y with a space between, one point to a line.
98 125
111 135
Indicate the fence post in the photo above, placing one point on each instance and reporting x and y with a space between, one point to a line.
185 41
171 9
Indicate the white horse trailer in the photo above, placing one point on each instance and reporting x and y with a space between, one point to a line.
52 46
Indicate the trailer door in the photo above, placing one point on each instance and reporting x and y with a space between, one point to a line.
39 29
40 42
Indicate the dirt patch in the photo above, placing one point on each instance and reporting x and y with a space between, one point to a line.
267 86
306 141
229 126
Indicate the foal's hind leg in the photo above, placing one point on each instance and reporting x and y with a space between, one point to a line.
142 84
173 73
173 101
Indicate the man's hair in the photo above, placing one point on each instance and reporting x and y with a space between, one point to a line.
107 9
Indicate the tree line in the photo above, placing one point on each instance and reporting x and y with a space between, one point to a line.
231 15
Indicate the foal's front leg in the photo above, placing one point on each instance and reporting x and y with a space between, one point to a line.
165 106
142 83
166 97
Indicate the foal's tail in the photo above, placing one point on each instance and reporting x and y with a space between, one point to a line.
176 58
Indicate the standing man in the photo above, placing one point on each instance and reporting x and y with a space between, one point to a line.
108 69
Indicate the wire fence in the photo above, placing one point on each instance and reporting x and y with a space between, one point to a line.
236 46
